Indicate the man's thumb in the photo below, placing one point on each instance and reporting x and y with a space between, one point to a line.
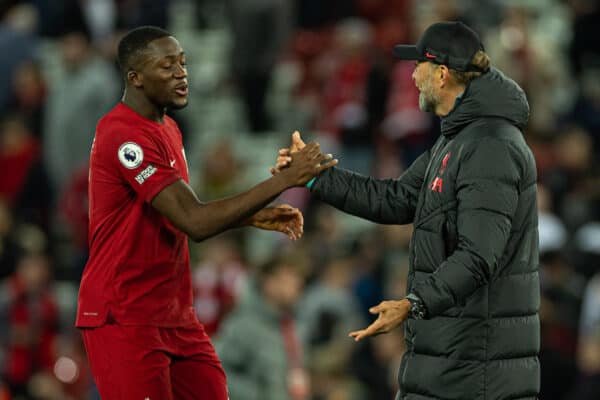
297 140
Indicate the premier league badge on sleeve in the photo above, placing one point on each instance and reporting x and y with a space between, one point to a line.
131 155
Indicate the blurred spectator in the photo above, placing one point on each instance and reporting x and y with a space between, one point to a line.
18 44
586 248
326 313
561 291
588 352
560 303
86 89
332 375
9 248
259 344
346 89
586 110
315 14
26 189
375 364
260 31
19 151
368 287
133 13
30 311
530 59
29 88
221 171
100 17
328 310
325 236
568 176
585 42
217 280
60 16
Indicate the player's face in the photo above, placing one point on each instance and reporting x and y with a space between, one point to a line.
165 74
423 77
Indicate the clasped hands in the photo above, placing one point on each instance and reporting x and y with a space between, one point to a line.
309 162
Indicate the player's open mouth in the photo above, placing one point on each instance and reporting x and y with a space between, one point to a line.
182 90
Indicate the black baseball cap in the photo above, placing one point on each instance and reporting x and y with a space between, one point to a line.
450 43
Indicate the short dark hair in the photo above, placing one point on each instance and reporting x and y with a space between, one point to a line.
136 41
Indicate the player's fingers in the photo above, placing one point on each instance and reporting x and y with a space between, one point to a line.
291 212
297 232
288 211
312 146
290 233
284 152
299 225
315 153
284 160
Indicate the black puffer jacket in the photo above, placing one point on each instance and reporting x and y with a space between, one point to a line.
474 251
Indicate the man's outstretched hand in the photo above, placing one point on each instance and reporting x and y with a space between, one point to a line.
391 314
282 218
284 156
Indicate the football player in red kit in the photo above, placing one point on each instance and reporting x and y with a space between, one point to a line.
140 331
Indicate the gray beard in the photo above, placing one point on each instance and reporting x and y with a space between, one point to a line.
426 103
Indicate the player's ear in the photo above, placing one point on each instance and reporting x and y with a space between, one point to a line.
135 78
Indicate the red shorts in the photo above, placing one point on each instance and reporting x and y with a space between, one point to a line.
147 363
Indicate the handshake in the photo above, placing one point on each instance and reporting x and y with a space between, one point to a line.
302 162
295 166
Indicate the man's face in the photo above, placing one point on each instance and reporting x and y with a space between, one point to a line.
423 75
75 48
286 287
163 71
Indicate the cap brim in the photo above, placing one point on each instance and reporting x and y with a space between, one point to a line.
406 52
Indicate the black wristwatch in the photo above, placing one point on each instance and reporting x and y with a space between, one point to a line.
417 308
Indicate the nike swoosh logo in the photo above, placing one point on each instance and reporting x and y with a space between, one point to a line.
172 162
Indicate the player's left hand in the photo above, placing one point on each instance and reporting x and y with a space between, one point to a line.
282 218
391 314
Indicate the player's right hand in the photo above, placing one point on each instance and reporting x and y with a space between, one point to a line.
284 156
306 164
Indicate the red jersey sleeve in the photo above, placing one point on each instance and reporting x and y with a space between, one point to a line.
143 161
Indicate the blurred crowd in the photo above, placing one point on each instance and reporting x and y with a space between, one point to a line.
279 311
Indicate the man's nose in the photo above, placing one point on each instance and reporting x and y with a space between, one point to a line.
180 72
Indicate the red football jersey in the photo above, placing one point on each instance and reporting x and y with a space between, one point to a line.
138 271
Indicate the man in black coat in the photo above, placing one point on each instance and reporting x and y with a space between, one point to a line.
472 326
